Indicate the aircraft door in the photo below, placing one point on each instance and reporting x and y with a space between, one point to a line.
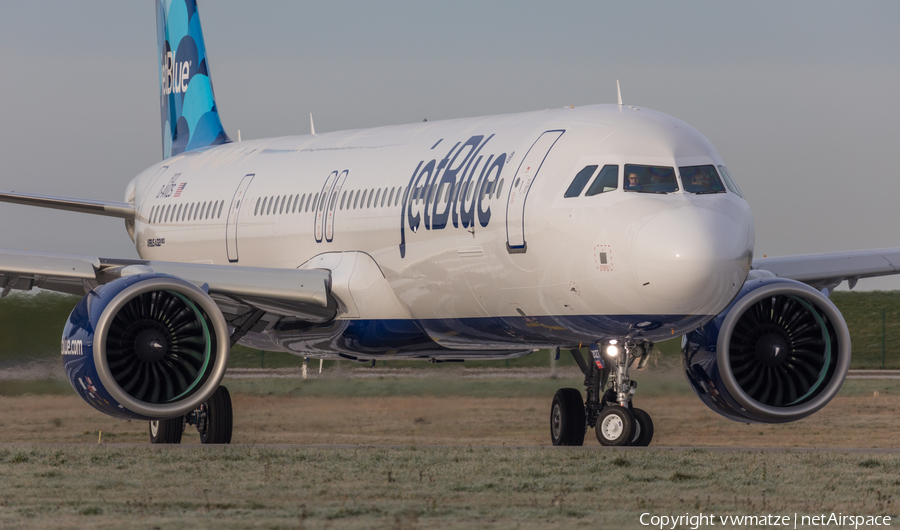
332 206
324 201
234 211
520 185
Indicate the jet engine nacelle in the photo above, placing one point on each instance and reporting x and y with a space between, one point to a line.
147 347
778 353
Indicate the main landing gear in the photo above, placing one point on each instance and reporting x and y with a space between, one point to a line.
213 419
610 413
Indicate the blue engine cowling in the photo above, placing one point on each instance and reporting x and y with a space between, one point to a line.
146 347
778 353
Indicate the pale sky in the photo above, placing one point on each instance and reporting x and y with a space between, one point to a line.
802 99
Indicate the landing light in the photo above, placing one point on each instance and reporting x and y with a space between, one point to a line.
612 351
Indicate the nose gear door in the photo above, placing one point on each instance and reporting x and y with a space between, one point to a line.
521 184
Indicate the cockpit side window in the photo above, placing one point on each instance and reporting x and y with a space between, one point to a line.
729 181
607 180
581 179
650 179
701 179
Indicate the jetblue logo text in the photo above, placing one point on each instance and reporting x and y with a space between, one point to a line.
175 75
451 190
71 347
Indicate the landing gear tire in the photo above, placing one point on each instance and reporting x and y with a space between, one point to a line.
615 426
643 428
216 418
167 431
567 423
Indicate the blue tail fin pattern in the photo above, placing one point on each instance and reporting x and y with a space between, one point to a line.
189 115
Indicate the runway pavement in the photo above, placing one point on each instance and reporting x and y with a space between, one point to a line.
864 450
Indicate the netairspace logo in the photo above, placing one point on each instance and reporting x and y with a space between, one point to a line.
702 520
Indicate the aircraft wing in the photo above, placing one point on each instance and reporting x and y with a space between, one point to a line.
124 210
303 294
829 270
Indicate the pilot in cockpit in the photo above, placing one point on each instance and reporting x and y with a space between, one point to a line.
633 182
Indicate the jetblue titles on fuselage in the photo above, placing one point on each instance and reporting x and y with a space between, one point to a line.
453 182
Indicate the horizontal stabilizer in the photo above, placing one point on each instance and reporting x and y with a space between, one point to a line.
123 210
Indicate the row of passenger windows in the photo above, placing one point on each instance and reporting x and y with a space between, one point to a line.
369 198
652 179
299 203
186 212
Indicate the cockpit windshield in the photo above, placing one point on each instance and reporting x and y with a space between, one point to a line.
650 179
701 179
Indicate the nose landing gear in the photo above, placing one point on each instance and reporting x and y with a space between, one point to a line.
610 413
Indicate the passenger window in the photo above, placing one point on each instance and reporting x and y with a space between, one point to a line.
399 193
294 206
650 179
730 182
607 180
701 179
343 198
499 188
281 207
391 198
191 212
384 197
579 182
221 204
377 195
256 210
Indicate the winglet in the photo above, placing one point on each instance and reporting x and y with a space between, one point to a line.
312 126
619 90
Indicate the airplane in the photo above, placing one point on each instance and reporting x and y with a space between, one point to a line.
606 227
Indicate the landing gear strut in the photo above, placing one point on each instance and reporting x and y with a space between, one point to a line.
609 412
213 419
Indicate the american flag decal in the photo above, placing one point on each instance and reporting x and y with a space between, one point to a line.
179 189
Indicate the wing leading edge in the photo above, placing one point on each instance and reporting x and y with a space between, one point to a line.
827 271
124 210
304 294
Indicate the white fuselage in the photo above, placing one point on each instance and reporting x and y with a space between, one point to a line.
468 272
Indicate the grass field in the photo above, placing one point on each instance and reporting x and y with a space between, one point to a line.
426 487
496 476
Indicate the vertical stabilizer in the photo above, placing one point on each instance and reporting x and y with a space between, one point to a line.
189 115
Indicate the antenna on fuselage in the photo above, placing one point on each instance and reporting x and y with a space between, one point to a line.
312 126
239 135
619 91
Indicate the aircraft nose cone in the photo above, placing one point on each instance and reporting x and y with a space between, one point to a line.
693 260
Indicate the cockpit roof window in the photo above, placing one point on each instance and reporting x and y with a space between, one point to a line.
701 179
581 179
607 180
729 181
650 179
